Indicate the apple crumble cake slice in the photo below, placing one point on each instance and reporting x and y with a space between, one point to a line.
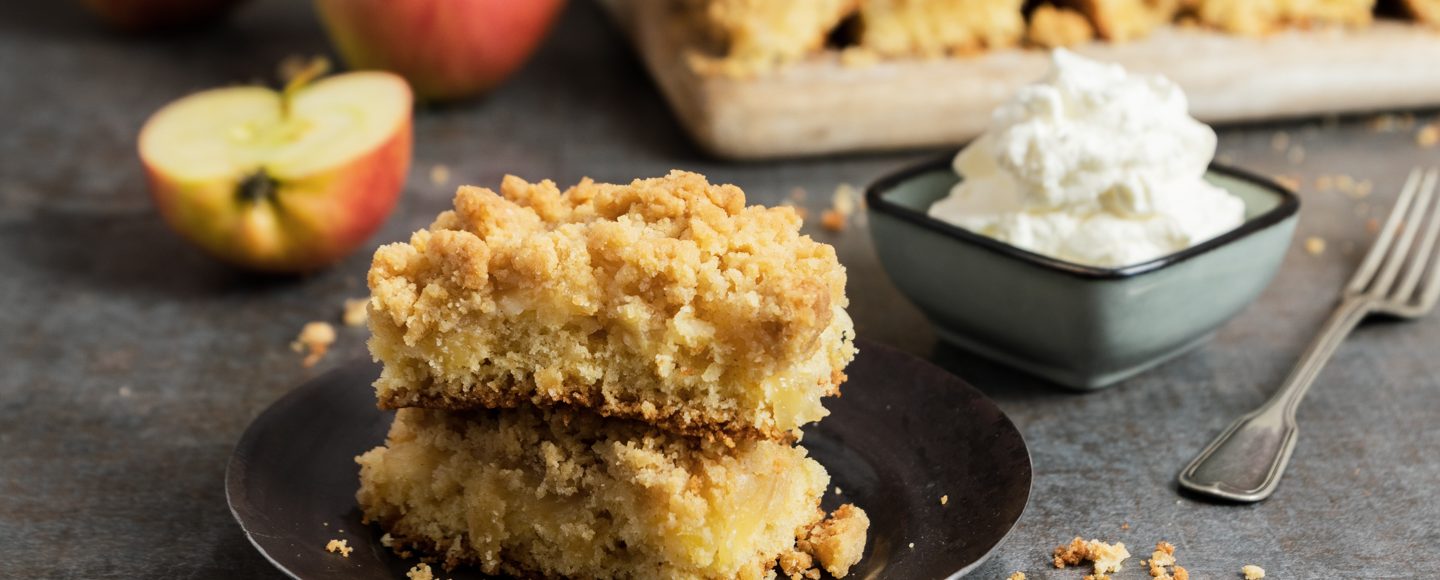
939 27
666 300
526 491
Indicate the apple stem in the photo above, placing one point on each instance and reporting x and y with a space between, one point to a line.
258 186
318 67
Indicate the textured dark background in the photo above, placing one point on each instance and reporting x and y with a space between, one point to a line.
130 364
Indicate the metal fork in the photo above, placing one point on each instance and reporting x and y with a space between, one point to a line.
1245 462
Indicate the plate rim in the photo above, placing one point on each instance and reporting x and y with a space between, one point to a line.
235 479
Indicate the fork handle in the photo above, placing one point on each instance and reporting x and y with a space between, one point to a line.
1245 462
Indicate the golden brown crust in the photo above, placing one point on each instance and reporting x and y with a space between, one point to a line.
666 299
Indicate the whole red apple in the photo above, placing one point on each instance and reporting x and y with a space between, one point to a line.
447 49
139 16
281 181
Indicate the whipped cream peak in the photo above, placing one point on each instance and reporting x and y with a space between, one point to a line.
1093 165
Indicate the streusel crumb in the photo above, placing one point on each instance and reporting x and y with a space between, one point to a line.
339 546
421 571
838 542
1017 576
1252 572
1162 558
356 311
1106 558
315 339
667 300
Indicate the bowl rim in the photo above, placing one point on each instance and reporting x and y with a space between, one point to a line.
875 199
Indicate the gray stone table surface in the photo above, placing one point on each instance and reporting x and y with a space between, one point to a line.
130 363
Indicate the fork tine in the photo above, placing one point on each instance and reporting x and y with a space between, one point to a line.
1396 257
1423 256
1366 273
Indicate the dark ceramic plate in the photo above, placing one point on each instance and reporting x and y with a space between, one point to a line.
904 434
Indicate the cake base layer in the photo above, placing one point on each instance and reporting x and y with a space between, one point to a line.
525 491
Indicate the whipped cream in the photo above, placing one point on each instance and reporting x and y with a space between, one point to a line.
1092 165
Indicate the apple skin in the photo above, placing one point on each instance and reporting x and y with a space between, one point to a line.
349 203
448 49
142 16
311 221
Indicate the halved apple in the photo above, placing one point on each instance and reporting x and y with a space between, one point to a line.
282 181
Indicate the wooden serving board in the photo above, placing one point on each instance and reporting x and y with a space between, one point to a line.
819 106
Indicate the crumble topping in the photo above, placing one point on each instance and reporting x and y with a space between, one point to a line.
669 291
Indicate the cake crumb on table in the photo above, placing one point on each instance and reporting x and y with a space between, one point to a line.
1280 141
1164 557
842 206
843 200
944 499
421 571
1017 576
316 338
356 311
340 546
1252 572
1290 182
440 174
1428 136
1106 558
1315 245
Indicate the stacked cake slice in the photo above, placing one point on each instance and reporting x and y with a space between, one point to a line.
608 383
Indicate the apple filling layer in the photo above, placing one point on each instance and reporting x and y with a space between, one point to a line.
531 492
666 300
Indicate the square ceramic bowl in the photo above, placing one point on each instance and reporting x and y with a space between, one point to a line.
1080 326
